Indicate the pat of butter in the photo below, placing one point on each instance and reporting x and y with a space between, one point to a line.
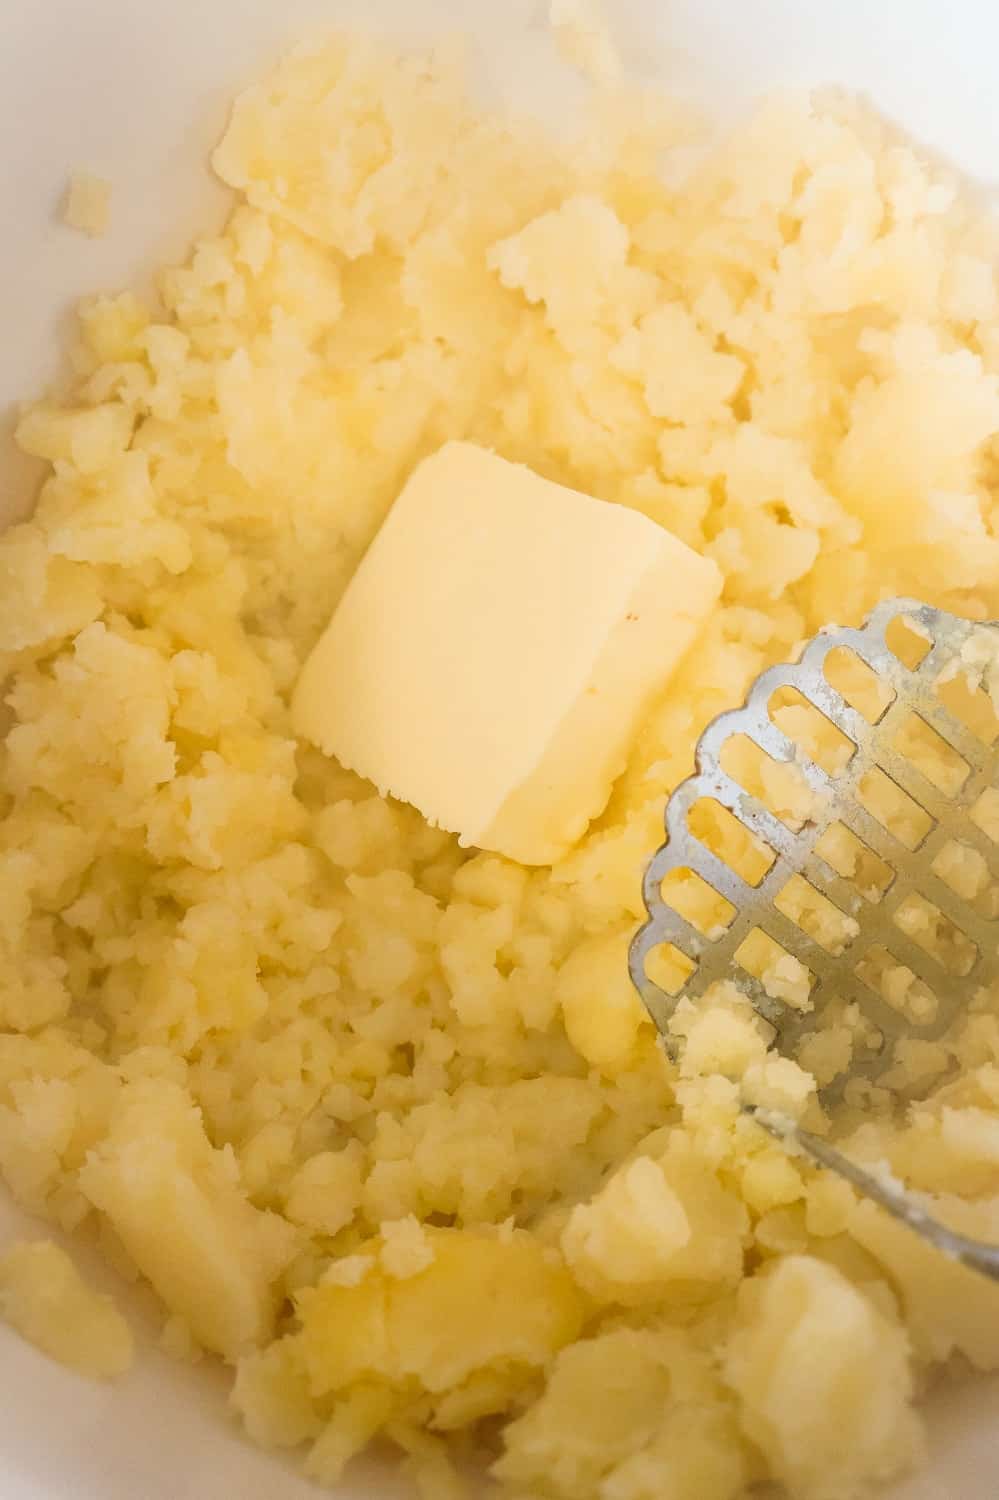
492 657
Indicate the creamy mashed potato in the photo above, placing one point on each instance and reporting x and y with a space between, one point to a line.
87 204
380 1120
44 1297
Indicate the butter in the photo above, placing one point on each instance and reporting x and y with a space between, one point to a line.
493 655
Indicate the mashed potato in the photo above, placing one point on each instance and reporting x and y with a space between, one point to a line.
380 1120
87 204
44 1297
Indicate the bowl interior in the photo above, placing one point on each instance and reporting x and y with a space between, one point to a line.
138 94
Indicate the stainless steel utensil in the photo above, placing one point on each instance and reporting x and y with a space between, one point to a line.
879 922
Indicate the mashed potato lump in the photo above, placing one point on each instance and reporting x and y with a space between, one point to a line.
381 1120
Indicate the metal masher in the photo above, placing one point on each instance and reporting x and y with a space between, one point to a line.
873 917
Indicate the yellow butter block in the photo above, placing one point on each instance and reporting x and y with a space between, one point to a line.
493 655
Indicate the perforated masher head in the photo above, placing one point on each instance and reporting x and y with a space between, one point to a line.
885 927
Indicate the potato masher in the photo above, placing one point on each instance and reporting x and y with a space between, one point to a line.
877 920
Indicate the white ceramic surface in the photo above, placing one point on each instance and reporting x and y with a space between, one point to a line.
136 91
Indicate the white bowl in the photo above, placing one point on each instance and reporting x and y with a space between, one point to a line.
137 93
